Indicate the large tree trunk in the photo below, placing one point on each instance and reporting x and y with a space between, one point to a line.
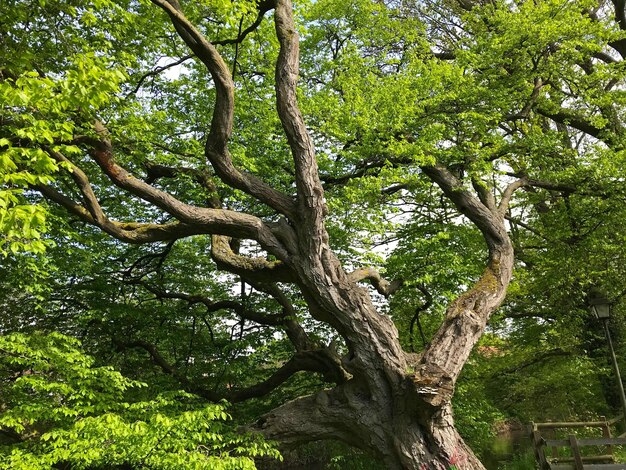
400 440
386 401
396 405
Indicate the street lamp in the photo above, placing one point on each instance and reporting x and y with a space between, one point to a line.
600 307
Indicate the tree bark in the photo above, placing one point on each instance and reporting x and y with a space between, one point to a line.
394 405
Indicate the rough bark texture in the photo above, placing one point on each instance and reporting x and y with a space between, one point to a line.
391 403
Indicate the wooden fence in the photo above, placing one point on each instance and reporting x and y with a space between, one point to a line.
546 443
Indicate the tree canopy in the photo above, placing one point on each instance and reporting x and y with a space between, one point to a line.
369 222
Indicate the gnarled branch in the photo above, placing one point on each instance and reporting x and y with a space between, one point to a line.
218 221
467 316
505 200
383 286
488 222
309 188
128 232
256 268
216 148
312 361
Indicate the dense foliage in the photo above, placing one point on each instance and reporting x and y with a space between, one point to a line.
107 146
59 409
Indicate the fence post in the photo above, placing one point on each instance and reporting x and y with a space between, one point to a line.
538 446
578 461
606 432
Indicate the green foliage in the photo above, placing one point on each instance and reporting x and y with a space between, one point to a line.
43 98
36 111
475 412
524 461
59 408
378 103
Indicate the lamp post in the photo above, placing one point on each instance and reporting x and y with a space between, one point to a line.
600 306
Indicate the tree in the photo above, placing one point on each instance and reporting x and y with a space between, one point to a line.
59 410
442 110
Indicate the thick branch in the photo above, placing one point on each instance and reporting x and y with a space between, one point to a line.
81 180
525 111
221 124
216 148
383 286
300 362
323 361
312 361
620 13
503 207
620 18
604 57
581 187
489 223
551 186
366 166
484 194
221 252
256 268
218 221
128 232
310 191
444 55
467 316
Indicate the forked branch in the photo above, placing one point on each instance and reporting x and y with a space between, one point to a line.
467 316
128 232
487 221
216 148
257 268
217 221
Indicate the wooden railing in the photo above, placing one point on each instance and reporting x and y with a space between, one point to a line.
545 441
